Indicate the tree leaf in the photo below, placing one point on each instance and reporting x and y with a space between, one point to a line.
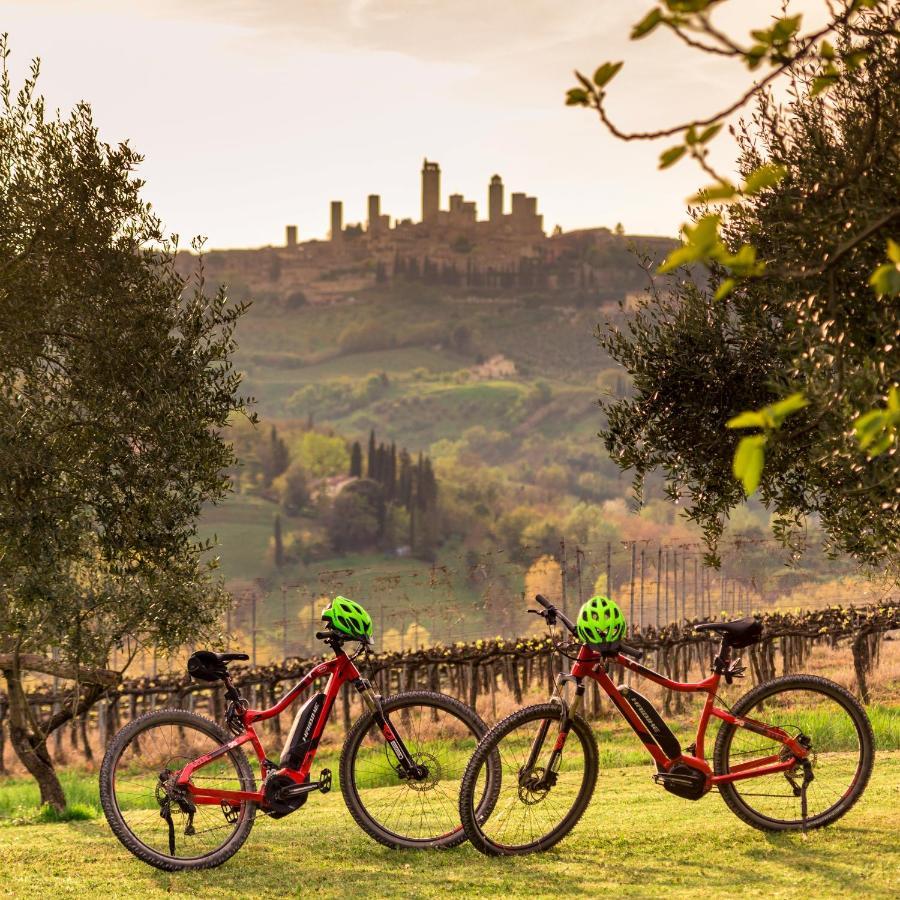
893 251
647 24
767 175
749 458
715 192
671 156
724 289
576 97
749 419
784 408
606 73
822 83
886 280
710 132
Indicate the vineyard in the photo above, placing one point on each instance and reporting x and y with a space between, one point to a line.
482 673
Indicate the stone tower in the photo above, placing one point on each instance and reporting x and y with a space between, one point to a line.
337 221
290 236
431 191
495 200
374 223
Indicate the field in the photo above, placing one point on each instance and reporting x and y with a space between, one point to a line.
635 841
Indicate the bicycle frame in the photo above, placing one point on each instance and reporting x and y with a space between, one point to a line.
340 670
590 664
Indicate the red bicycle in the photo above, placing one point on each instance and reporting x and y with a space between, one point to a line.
180 793
793 753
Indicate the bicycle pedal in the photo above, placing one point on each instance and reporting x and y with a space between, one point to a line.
325 781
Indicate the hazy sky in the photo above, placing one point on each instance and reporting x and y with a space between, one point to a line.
252 115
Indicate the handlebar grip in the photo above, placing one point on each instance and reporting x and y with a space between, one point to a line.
323 635
628 650
540 598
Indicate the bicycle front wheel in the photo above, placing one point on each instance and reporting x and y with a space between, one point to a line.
538 804
440 734
150 815
819 714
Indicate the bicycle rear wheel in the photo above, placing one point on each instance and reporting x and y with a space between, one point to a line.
150 816
816 711
440 734
535 808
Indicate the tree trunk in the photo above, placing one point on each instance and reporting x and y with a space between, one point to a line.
30 745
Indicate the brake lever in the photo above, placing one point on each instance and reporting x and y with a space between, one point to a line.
547 614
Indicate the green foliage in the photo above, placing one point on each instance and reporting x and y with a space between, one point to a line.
803 332
356 519
885 280
115 378
321 455
748 461
116 382
877 429
606 73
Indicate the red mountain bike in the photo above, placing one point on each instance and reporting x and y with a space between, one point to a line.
793 753
179 792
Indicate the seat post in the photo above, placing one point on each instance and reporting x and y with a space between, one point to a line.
231 692
720 663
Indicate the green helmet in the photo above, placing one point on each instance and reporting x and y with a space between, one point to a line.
349 618
600 621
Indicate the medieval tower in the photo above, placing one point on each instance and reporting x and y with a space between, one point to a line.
431 191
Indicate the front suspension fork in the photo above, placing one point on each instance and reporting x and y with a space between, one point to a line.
406 763
568 710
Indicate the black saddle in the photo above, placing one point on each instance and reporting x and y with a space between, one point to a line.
205 665
740 633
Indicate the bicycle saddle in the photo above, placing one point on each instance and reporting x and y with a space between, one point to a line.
740 633
205 665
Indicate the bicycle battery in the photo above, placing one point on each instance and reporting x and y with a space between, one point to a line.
299 741
661 732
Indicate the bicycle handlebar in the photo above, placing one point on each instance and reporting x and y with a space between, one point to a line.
556 611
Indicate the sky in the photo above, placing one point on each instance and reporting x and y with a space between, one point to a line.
254 115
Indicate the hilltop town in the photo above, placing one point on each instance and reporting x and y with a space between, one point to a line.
508 251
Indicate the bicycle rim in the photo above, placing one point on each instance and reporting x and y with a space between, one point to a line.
146 799
837 758
411 812
535 807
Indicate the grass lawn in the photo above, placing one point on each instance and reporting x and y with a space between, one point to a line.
635 840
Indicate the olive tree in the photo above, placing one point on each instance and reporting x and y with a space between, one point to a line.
788 338
115 384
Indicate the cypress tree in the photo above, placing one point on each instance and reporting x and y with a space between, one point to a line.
370 462
356 460
279 543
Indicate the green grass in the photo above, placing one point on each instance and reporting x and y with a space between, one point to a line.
635 841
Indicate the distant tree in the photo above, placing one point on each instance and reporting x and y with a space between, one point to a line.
461 338
274 457
370 458
293 488
295 300
391 482
279 543
405 480
322 455
357 517
619 230
116 387
356 460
